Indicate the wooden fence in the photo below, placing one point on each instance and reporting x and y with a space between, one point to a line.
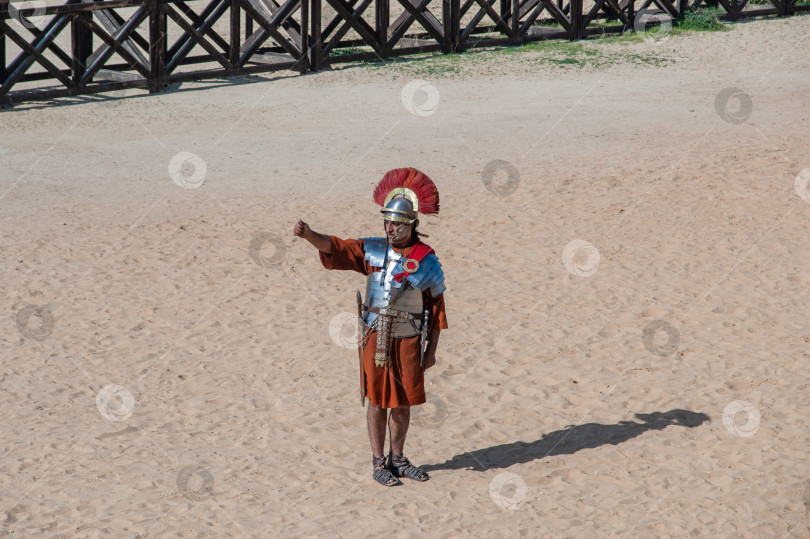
84 46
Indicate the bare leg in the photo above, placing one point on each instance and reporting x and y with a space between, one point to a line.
375 416
398 423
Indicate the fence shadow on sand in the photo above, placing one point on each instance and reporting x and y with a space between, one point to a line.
568 440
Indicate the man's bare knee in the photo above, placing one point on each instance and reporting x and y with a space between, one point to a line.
401 411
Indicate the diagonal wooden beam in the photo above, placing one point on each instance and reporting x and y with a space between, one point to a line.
353 20
198 37
592 13
114 30
465 8
336 22
34 52
667 6
134 36
114 44
473 22
525 7
38 34
203 22
498 19
197 21
486 9
406 15
417 13
270 29
619 12
533 17
291 26
558 14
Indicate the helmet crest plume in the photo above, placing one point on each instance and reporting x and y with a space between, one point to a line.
411 179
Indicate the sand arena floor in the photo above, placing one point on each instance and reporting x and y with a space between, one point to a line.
625 244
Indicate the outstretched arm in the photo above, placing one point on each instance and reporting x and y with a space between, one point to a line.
322 242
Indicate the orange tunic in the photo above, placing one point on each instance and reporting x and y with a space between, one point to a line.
403 383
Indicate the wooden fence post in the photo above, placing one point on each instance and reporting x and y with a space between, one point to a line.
451 23
303 66
446 48
81 45
315 37
3 73
504 12
576 19
157 45
515 21
381 20
236 32
631 14
455 25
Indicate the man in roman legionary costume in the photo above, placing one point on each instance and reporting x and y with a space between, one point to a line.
402 313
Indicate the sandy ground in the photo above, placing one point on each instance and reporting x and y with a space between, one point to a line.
627 299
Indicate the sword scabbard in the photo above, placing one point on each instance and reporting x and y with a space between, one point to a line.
361 344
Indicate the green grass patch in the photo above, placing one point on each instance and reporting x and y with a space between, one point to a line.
563 54
586 54
700 20
348 51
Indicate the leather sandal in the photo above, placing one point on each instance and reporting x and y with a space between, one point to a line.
402 467
382 474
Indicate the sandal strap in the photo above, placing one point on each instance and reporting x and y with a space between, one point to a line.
384 477
402 467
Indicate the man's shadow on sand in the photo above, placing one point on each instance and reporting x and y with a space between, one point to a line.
568 440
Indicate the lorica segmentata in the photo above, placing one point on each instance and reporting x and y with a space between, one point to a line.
395 308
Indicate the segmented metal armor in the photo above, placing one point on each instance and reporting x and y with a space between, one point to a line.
402 299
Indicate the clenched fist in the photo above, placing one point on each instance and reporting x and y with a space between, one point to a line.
321 242
301 229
